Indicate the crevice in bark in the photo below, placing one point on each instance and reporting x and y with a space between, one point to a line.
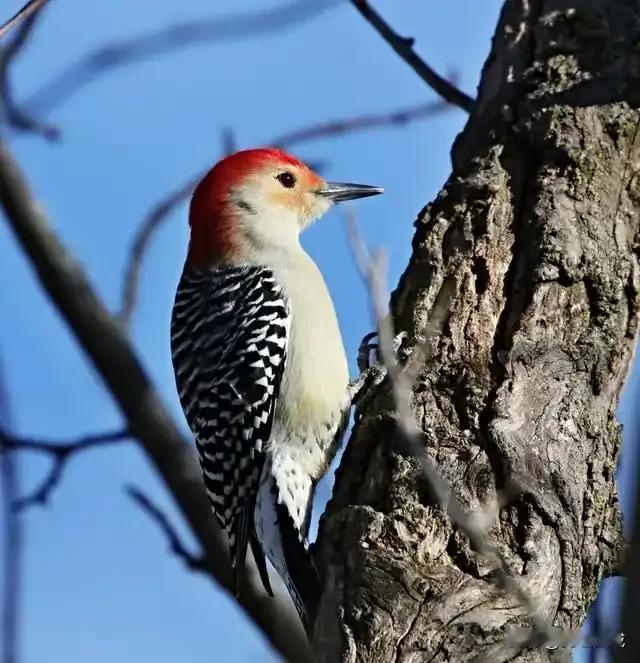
481 274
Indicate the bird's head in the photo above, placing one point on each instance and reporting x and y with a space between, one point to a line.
256 202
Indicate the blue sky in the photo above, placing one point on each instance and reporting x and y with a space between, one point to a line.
100 584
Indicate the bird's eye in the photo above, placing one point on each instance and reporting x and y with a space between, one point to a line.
287 179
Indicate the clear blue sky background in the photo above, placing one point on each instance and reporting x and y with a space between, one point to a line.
99 583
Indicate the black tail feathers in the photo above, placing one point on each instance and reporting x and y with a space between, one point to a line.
302 582
244 534
299 574
261 562
238 540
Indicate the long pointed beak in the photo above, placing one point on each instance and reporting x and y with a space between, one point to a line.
338 191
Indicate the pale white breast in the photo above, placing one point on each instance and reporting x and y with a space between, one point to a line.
316 372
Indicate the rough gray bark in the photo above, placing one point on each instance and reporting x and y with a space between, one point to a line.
525 274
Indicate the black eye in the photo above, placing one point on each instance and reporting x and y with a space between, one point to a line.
287 180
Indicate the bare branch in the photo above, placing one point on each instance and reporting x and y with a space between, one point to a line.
134 49
474 524
229 142
172 38
28 10
16 116
161 210
191 561
12 553
147 419
150 224
403 46
365 122
61 450
60 454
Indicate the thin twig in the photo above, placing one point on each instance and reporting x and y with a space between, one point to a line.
29 9
161 210
13 526
403 46
365 122
60 453
172 38
191 561
16 116
150 224
474 524
146 417
228 140
141 241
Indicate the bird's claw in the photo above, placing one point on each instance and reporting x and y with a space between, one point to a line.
372 374
364 351
367 346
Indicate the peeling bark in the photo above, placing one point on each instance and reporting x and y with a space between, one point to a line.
525 277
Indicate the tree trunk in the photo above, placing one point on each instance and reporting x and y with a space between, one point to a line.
525 277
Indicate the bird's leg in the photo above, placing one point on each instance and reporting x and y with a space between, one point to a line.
360 390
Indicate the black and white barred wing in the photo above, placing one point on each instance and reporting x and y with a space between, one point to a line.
229 338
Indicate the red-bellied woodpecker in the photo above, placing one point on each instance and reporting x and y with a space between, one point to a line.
258 357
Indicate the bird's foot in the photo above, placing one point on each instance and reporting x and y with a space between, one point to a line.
372 373
368 346
365 349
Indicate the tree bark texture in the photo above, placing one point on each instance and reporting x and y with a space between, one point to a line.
524 279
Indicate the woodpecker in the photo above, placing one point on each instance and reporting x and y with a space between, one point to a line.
259 361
